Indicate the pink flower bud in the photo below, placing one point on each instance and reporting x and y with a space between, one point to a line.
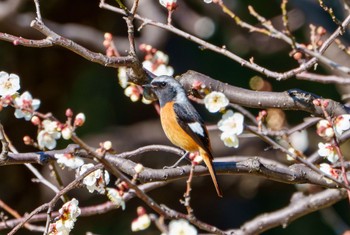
27 140
108 36
140 211
69 113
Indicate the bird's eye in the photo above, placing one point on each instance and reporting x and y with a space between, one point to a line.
162 84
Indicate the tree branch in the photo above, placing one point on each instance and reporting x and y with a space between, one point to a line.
289 100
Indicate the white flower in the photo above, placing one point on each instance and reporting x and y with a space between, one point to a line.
123 77
132 92
115 197
169 4
324 129
70 210
230 139
26 105
208 1
162 69
231 122
67 133
138 168
141 223
69 160
299 140
158 69
215 101
342 123
9 84
181 227
95 180
47 137
291 150
326 168
328 151
160 56
68 216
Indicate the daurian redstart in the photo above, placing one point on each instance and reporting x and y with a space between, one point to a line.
181 122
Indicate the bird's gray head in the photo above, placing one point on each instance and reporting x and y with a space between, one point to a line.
168 89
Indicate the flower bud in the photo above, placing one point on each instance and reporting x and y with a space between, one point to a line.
35 120
67 133
69 113
79 119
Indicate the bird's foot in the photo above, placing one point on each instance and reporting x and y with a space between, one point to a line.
176 164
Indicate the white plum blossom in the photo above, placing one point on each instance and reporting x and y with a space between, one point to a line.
328 151
67 218
67 132
231 125
69 160
215 101
96 180
326 168
70 210
169 4
341 124
299 140
132 92
229 139
123 77
291 150
48 135
141 223
180 227
9 84
325 129
115 197
158 68
231 122
25 106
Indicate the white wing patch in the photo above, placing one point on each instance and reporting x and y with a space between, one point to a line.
196 127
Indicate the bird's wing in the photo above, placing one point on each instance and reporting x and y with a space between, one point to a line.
192 123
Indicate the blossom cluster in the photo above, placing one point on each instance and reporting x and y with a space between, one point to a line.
176 227
231 124
155 61
49 129
95 181
330 129
64 223
24 104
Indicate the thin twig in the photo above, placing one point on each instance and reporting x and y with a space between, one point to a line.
37 8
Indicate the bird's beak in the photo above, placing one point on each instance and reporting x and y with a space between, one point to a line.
148 92
147 86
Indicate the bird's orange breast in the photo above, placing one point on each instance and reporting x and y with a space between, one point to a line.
174 131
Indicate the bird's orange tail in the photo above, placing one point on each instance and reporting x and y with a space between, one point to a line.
208 160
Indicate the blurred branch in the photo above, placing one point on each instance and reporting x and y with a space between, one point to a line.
325 79
85 211
9 7
300 205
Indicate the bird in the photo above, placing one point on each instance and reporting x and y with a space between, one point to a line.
181 122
